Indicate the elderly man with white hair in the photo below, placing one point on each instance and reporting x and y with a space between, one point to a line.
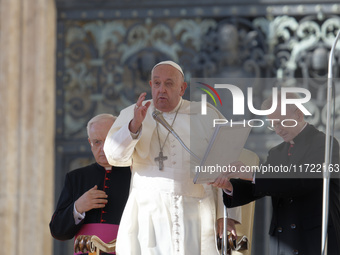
166 212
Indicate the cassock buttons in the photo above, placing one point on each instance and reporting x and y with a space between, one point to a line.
295 252
293 226
279 229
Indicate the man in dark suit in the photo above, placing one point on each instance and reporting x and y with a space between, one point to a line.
93 198
297 200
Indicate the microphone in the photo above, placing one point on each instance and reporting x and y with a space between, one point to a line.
158 117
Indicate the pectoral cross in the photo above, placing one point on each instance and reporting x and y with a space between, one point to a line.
160 160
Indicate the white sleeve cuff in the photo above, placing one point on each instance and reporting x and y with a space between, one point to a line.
77 216
136 135
228 192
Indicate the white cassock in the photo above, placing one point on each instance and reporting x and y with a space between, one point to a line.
166 213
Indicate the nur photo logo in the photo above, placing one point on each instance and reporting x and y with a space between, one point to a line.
240 100
204 97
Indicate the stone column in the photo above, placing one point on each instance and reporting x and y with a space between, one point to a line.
27 110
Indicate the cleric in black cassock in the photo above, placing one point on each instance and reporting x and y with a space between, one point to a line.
297 203
96 193
296 196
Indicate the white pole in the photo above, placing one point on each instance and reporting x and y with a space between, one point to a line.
325 202
225 233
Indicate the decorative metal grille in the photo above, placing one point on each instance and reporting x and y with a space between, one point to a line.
104 57
107 63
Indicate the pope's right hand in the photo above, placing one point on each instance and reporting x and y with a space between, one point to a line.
139 113
91 199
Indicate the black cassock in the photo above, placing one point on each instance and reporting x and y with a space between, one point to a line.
116 184
297 202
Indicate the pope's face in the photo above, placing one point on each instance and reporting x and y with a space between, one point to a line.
167 86
97 135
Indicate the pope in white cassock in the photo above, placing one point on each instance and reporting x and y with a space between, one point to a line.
166 212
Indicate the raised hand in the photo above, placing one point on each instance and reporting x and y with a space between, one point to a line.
139 113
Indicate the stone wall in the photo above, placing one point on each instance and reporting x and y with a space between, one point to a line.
27 103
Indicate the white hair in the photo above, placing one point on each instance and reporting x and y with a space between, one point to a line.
99 117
